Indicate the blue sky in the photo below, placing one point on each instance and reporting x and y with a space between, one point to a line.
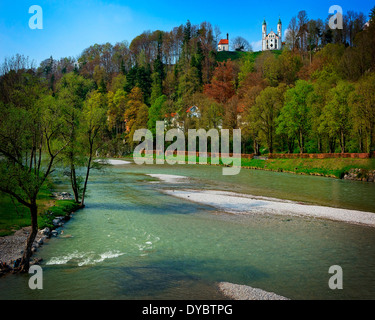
71 26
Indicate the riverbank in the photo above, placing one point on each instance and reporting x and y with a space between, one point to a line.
54 211
340 168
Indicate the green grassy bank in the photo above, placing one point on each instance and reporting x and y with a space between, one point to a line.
335 167
14 216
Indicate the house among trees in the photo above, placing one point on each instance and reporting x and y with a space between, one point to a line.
193 112
223 44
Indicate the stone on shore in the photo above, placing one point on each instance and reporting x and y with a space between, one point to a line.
54 233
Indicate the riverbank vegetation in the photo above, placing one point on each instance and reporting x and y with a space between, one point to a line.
14 216
334 168
316 95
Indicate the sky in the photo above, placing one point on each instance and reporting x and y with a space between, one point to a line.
70 26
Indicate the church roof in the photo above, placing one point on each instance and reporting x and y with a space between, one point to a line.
224 41
264 21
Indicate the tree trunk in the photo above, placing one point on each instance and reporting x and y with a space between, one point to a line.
319 145
73 179
301 144
331 145
342 142
25 261
256 147
86 179
270 147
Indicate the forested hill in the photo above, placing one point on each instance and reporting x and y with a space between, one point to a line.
317 94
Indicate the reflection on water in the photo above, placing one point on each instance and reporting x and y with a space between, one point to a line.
132 241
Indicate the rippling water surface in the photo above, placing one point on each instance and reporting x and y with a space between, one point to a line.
132 241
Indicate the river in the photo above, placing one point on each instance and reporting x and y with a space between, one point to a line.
133 241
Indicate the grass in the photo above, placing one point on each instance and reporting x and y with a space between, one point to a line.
235 55
324 167
14 216
334 167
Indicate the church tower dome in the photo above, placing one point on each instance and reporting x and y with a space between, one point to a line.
279 33
264 35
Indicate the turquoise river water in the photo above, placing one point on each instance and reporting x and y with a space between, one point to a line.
132 241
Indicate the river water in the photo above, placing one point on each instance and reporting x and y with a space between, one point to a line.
133 241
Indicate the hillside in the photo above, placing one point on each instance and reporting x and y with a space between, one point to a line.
235 55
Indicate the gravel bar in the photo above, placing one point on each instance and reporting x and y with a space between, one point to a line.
242 292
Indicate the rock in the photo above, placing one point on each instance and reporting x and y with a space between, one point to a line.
358 174
40 241
46 231
57 222
54 233
62 195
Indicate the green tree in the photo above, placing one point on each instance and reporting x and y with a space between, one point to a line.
134 103
30 128
156 113
72 90
362 102
264 113
93 120
336 116
294 119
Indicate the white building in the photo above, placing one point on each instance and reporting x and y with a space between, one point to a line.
223 44
193 112
271 41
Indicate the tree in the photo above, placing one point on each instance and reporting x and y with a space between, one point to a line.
291 33
134 103
72 90
265 111
316 101
241 44
116 107
94 116
222 86
30 127
294 120
335 118
362 102
155 113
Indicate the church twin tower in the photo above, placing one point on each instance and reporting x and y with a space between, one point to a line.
271 41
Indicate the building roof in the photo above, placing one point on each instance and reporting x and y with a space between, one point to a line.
224 41
190 109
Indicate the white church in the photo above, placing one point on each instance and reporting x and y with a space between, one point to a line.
271 41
